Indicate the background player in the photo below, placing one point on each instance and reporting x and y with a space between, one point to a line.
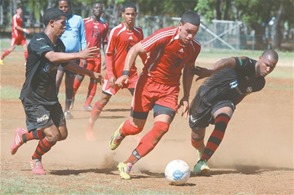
96 32
74 39
17 35
121 39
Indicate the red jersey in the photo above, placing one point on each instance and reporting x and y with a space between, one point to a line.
16 21
120 41
167 55
96 32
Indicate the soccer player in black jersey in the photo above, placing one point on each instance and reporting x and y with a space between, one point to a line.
44 116
231 79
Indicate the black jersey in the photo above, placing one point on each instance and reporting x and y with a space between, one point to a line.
232 83
40 82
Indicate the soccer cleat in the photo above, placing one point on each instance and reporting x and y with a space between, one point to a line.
87 108
37 167
1 62
68 115
201 168
116 139
124 170
17 142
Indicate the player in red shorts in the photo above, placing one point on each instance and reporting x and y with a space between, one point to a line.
17 35
96 32
121 39
170 52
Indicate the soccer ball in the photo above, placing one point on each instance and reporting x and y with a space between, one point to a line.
177 172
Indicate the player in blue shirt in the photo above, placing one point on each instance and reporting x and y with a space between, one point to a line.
74 39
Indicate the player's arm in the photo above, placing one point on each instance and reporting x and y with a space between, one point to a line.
217 66
61 57
188 76
130 60
23 29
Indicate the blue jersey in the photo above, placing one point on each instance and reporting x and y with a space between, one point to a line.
74 37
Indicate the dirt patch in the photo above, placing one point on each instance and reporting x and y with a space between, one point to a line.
256 156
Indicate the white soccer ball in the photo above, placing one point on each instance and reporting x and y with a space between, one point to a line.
177 172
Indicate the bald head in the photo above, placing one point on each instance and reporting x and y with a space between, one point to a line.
271 54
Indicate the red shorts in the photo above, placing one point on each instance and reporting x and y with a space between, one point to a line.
18 41
112 91
149 93
94 64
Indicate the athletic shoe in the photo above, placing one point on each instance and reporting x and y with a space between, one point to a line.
116 139
17 141
201 168
37 167
124 170
68 115
87 108
1 62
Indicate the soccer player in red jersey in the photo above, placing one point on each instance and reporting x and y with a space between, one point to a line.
121 39
96 32
17 35
170 52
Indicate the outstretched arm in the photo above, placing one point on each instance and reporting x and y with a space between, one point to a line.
217 66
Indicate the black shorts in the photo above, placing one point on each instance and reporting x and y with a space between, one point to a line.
41 116
201 112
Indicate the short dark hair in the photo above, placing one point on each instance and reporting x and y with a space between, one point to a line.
272 53
52 14
129 5
190 17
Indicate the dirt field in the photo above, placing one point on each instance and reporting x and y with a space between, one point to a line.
255 157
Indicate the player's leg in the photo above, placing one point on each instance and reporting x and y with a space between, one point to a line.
78 80
69 80
95 66
91 93
221 113
95 113
22 136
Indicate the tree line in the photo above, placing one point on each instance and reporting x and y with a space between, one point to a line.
271 20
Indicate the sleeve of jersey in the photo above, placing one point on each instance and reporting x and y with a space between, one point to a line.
245 65
154 41
40 46
83 34
109 55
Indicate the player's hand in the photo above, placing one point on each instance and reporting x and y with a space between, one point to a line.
202 72
89 52
185 103
98 77
27 31
112 81
122 80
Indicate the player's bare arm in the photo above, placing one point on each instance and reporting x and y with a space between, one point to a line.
73 67
188 75
130 60
61 57
202 72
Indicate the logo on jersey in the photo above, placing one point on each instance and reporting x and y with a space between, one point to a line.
181 50
233 84
43 118
249 90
